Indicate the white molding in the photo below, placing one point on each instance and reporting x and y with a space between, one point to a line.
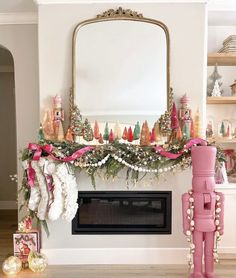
18 18
52 2
8 205
221 5
155 256
74 256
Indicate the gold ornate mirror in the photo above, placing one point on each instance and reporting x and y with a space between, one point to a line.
121 67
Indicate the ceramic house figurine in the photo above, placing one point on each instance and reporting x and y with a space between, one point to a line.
203 213
233 88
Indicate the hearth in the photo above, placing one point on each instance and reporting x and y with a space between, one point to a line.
123 212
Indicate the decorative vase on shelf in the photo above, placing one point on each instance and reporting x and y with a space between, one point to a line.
210 128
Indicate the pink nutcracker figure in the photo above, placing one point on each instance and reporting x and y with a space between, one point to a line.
203 211
58 118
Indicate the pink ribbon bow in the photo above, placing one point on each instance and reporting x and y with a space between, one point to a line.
188 145
48 149
38 150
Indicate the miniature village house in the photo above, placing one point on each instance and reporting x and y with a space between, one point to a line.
233 88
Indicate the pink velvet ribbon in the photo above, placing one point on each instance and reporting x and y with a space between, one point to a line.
30 175
188 145
48 149
38 150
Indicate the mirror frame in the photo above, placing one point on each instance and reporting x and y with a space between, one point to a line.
121 14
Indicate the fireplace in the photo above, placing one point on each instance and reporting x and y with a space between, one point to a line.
123 212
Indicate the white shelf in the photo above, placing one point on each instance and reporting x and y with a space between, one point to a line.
226 188
221 100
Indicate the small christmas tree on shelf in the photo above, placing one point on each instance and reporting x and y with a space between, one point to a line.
125 134
48 128
153 136
76 122
216 90
96 130
165 124
106 133
157 131
174 118
137 131
117 131
174 123
215 76
111 136
192 130
69 135
222 129
145 135
197 125
179 134
87 131
130 136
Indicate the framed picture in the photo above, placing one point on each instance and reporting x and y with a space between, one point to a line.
25 242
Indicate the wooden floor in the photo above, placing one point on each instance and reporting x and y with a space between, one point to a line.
8 220
8 225
123 271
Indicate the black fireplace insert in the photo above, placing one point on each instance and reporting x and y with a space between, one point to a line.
123 212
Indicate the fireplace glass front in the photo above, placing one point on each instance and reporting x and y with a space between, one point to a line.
123 212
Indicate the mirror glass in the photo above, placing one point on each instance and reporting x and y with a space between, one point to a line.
121 71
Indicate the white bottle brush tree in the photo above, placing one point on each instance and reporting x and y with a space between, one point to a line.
215 76
216 90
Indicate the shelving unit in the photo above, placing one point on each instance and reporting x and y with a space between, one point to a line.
221 59
221 108
222 24
222 140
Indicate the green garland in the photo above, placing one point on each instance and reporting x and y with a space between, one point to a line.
121 154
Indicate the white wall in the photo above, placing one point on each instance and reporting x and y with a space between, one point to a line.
21 41
186 23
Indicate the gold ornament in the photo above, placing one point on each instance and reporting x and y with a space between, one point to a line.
37 261
12 265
